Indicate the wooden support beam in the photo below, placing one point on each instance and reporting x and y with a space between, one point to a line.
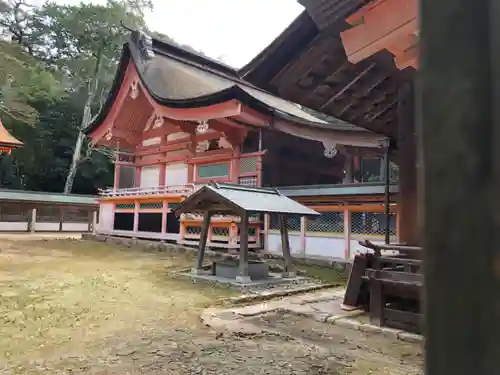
407 155
244 276
460 127
203 241
285 245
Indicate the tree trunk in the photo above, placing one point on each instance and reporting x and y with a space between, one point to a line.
70 178
86 120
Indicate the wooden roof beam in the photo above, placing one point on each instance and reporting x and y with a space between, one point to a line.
252 117
123 94
386 108
408 58
349 85
324 82
383 25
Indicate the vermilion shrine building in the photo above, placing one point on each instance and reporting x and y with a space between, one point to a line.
178 121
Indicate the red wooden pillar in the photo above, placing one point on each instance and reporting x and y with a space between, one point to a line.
162 175
116 179
137 176
259 171
235 165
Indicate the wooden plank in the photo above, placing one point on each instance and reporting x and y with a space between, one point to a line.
352 294
407 317
377 302
413 262
403 248
406 320
395 276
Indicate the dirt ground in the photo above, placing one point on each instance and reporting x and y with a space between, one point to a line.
76 307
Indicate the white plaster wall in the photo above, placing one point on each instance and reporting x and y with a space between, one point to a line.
46 227
274 243
75 227
176 174
13 227
331 247
106 217
150 176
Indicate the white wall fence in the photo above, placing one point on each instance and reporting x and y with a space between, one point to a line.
18 218
335 234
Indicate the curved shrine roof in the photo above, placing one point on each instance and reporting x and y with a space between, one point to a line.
178 78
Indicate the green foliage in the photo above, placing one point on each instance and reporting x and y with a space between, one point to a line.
57 63
22 81
75 48
44 161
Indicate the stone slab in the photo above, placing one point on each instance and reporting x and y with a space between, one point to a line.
348 323
410 337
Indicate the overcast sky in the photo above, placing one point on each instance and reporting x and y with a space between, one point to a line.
234 30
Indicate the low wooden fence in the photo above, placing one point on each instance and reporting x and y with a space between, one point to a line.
24 211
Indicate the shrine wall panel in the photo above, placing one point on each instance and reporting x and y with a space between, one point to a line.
150 222
123 221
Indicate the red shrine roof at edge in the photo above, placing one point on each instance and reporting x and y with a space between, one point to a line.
177 79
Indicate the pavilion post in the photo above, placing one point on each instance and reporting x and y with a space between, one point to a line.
244 273
203 241
460 125
285 245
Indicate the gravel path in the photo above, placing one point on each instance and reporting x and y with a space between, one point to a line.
291 345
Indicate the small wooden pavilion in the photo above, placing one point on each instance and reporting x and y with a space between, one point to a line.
243 201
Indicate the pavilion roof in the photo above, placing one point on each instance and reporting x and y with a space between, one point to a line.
237 199
178 78
7 140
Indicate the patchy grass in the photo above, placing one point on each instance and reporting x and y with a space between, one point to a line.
76 307
326 274
60 296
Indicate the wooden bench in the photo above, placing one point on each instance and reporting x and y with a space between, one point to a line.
389 286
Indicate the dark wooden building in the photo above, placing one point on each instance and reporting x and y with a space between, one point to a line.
308 64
